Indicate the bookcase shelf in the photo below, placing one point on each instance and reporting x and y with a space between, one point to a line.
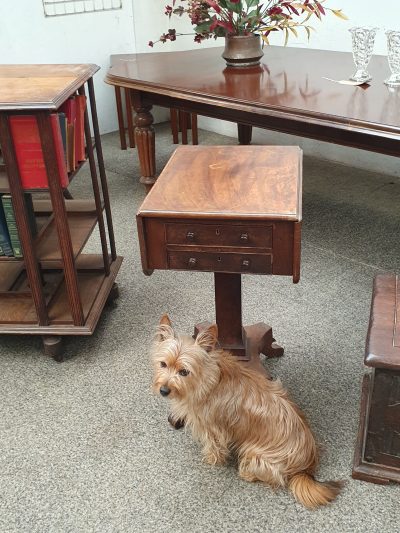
55 289
17 310
82 219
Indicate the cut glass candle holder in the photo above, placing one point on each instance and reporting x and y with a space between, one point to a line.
393 44
362 44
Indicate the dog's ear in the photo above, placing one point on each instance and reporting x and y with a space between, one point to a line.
208 338
164 330
165 321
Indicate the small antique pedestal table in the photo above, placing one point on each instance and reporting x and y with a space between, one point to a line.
231 211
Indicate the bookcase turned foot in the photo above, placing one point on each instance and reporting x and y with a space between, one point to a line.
113 294
53 347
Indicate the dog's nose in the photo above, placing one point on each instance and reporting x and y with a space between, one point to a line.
164 391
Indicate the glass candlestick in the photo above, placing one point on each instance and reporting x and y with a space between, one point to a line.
393 44
363 44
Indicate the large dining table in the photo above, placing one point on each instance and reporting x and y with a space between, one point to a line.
288 93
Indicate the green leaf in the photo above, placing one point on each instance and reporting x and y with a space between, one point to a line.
236 8
252 3
204 27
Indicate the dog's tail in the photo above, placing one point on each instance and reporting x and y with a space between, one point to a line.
312 493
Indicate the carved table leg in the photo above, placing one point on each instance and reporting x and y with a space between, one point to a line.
145 140
244 133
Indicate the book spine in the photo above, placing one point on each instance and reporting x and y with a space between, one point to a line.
5 243
29 153
58 144
31 214
11 225
80 126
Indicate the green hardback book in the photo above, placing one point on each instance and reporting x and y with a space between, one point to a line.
11 224
5 243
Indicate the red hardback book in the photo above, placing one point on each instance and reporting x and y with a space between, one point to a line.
80 155
29 154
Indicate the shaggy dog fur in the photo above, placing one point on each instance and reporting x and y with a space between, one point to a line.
231 408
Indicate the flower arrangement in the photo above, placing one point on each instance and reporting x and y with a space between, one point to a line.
221 18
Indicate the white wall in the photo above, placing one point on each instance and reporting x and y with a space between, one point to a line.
27 36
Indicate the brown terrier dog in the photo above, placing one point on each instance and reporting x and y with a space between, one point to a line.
232 408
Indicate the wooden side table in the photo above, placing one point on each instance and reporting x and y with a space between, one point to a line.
231 211
377 454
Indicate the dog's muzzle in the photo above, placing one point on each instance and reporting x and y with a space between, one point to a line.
164 391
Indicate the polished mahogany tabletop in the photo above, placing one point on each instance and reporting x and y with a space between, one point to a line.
289 80
251 182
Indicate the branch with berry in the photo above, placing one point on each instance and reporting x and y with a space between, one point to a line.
220 18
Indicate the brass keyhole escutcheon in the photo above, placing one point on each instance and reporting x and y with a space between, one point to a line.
217 232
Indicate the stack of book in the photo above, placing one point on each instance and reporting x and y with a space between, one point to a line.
69 140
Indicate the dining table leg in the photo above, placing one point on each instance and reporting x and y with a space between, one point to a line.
244 133
145 139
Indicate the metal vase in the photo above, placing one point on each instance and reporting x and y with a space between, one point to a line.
242 50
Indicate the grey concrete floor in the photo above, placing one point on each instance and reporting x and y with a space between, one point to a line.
86 447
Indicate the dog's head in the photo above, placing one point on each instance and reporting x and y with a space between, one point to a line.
183 366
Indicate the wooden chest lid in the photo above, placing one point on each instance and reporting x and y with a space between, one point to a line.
260 182
383 340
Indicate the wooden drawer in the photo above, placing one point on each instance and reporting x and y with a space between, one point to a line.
220 262
220 235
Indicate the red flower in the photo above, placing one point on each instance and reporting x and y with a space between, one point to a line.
214 5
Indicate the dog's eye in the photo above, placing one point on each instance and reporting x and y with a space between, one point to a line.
163 365
183 372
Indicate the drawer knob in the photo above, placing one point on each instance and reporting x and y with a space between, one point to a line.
190 236
192 262
245 263
244 237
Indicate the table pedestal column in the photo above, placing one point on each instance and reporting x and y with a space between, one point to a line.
246 342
